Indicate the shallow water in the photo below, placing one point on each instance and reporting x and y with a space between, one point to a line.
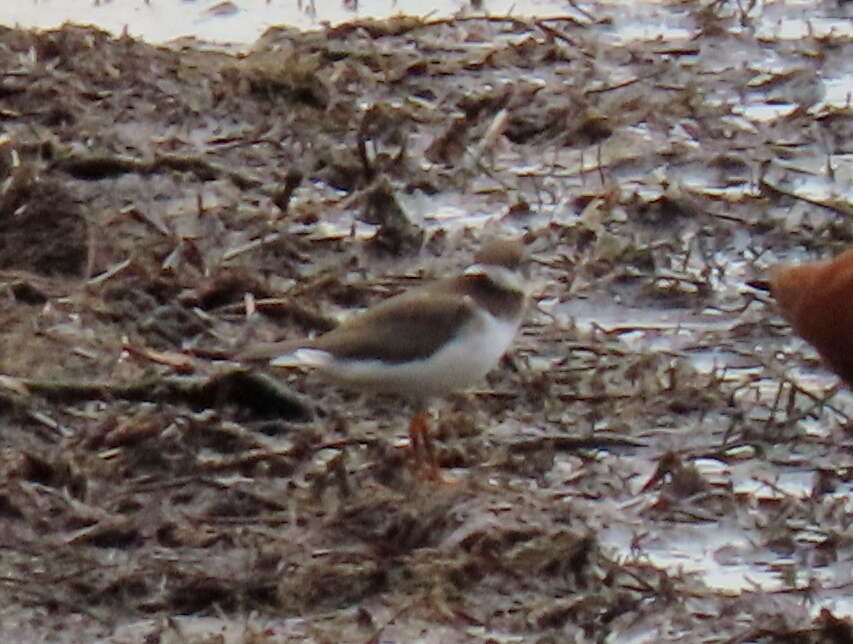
636 158
241 22
235 22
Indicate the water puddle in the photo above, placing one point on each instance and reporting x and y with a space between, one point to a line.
239 22
726 558
733 554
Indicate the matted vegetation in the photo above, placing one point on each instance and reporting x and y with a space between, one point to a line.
163 210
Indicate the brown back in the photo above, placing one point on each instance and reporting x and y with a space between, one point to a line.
817 299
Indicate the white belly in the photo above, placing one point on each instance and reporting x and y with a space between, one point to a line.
458 365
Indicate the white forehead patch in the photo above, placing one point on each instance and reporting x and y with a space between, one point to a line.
500 275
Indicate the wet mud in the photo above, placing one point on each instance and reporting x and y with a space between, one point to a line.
656 459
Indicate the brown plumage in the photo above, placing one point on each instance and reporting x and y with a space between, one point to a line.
508 253
817 300
414 324
429 341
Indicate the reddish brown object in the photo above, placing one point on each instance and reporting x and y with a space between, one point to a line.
422 448
817 299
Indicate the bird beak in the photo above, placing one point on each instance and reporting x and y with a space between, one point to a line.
760 285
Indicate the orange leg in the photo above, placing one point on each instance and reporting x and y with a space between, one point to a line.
422 448
417 430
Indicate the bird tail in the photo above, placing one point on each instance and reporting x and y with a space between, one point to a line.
264 352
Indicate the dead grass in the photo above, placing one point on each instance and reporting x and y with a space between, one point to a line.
162 211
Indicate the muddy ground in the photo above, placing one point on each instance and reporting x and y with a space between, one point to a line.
162 210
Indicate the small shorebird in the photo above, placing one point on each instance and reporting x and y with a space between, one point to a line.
427 342
817 300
